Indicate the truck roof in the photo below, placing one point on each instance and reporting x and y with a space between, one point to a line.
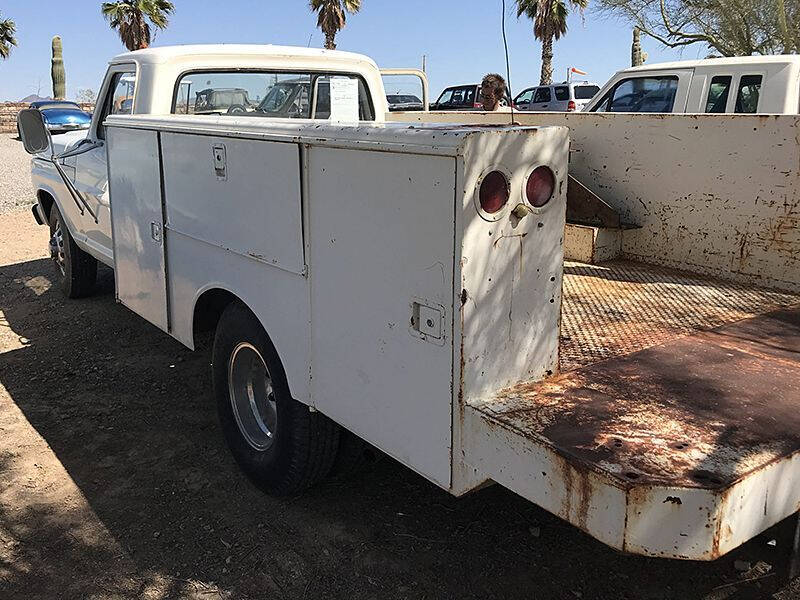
202 52
711 62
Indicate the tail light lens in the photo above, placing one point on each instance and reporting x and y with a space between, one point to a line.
477 105
571 106
493 193
540 186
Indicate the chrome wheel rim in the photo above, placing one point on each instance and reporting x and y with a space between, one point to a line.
252 396
57 247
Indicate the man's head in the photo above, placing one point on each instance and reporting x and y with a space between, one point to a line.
493 89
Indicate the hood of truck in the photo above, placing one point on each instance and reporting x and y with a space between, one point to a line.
68 140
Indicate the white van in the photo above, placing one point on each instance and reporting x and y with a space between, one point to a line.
741 84
560 97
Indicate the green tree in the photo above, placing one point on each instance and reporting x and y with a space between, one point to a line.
549 24
331 17
725 27
7 30
132 19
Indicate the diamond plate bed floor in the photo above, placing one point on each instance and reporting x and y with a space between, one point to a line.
620 307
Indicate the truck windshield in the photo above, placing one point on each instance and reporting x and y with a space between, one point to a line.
273 94
641 94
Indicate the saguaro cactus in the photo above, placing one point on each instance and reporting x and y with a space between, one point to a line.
57 71
637 56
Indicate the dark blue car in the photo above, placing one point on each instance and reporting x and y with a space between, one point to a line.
60 115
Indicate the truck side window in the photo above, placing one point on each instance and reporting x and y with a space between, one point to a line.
562 93
718 91
542 95
119 98
273 94
467 97
641 94
748 94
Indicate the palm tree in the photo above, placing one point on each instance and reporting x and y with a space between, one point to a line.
549 23
7 30
130 19
332 15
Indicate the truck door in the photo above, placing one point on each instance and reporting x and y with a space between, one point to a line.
541 99
91 168
137 219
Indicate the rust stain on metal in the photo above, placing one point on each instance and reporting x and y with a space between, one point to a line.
619 307
700 411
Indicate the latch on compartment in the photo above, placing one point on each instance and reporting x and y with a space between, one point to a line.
427 321
220 161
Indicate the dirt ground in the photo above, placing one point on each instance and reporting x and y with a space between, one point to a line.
115 483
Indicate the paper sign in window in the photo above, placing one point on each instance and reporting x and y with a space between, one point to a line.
344 99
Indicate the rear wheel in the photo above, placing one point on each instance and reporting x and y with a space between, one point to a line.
76 269
279 443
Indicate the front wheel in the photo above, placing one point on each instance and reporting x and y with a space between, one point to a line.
76 269
279 443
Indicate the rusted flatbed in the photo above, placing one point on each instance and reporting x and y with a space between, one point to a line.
683 440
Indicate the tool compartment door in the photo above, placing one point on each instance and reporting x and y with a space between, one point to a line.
137 222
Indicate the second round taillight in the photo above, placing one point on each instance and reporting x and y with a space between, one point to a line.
540 186
493 193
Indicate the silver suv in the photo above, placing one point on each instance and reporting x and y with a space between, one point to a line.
563 97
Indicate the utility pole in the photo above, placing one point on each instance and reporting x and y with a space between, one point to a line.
424 57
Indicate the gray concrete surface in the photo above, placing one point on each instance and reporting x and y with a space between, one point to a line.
16 192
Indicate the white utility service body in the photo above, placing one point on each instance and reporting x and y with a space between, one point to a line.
361 249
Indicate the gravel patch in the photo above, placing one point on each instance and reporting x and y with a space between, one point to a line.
16 191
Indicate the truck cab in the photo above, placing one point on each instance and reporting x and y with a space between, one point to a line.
171 80
739 85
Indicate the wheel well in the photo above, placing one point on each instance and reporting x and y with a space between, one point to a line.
208 309
46 201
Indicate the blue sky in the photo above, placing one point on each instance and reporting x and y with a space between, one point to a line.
462 40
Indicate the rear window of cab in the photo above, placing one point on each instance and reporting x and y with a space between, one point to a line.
275 94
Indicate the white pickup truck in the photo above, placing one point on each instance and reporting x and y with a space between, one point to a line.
738 85
407 283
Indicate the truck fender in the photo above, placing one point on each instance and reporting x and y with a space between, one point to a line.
46 197
209 304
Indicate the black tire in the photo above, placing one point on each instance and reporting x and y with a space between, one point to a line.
236 109
76 269
301 449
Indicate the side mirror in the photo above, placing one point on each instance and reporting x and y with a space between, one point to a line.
35 136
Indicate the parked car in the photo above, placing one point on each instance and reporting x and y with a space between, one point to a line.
741 84
463 97
233 100
403 102
60 115
560 97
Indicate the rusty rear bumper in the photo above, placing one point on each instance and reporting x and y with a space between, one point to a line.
685 450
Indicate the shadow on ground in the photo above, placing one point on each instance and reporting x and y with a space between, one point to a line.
139 497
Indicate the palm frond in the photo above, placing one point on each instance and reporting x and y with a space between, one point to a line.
7 40
132 19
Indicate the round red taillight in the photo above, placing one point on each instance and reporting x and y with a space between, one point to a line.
494 192
540 186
